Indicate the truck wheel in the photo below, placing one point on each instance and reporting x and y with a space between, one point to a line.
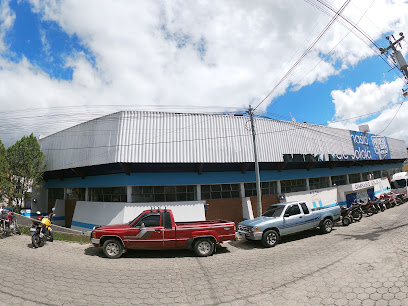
270 238
327 226
112 248
204 247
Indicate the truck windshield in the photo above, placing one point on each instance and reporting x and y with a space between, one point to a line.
399 183
274 211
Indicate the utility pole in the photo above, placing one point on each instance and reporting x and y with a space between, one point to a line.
397 57
258 180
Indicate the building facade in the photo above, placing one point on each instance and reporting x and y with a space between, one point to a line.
153 157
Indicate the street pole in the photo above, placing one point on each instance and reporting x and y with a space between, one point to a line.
258 180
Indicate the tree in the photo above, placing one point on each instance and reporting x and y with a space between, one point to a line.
26 167
5 183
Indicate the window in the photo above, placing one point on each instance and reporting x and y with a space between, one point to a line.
304 208
149 221
76 194
318 182
274 211
354 178
142 194
293 185
219 191
367 176
167 220
56 193
338 180
293 210
108 194
266 188
377 174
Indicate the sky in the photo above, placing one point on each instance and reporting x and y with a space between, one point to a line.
63 62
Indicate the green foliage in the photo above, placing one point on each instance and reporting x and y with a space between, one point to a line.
26 165
5 183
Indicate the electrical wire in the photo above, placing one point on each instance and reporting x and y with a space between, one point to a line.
306 52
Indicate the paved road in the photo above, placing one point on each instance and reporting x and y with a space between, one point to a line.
363 264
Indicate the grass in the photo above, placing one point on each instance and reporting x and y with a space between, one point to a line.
25 230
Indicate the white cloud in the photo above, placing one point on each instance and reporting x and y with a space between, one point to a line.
6 21
187 53
368 98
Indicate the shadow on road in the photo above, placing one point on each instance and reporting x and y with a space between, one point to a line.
374 235
251 244
179 253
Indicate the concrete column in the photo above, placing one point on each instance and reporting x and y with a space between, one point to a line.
242 190
278 187
330 181
65 193
87 194
361 177
129 194
199 192
347 179
307 184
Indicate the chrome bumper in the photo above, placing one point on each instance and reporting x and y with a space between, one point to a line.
251 235
95 241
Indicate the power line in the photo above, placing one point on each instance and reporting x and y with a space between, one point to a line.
307 51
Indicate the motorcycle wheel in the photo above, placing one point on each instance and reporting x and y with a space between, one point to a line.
357 215
36 240
51 236
346 221
370 212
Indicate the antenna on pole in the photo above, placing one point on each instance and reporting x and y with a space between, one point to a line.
250 112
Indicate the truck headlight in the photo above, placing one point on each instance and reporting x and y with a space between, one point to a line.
253 229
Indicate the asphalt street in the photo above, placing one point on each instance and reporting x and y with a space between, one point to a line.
365 263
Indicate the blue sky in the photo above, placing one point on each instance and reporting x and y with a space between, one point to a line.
70 61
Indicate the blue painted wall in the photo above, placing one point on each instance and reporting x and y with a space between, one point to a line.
192 178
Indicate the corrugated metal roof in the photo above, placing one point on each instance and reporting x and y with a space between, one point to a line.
157 137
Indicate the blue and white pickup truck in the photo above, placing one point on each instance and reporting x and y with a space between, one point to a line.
285 219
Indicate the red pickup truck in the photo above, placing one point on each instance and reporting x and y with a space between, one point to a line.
156 229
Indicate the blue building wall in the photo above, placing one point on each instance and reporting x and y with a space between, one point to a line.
193 178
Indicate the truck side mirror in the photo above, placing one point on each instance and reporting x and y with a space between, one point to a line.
142 225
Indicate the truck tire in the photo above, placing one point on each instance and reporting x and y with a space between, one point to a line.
112 248
204 247
270 238
327 226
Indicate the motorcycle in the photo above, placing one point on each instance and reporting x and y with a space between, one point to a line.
346 217
41 230
8 224
356 211
368 208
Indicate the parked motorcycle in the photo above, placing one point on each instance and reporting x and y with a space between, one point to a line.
41 230
356 211
346 217
8 223
381 204
368 208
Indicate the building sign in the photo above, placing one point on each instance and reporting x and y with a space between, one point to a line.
365 185
367 147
